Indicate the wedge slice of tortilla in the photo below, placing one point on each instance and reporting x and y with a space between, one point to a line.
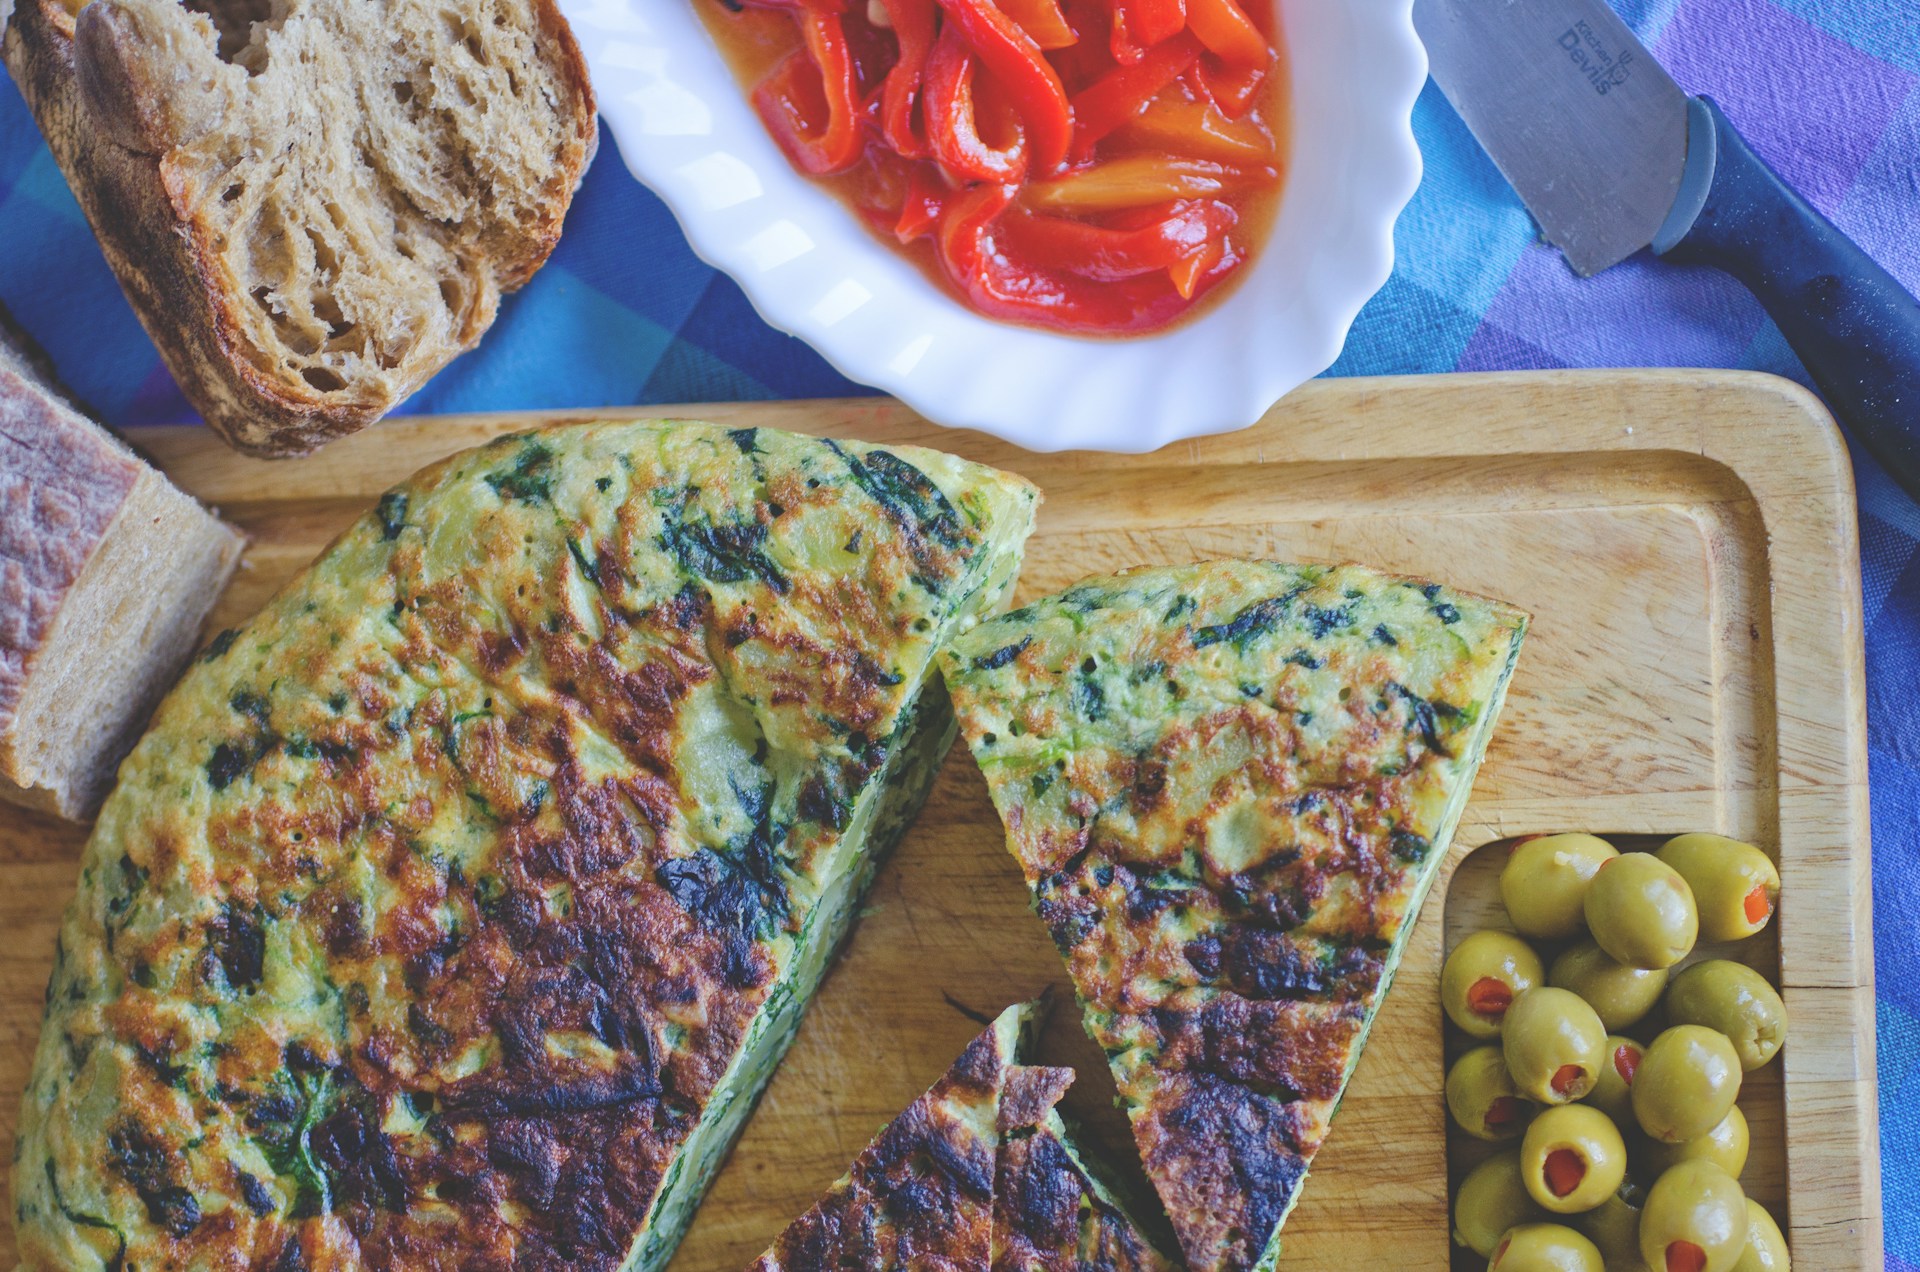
1230 786
977 1175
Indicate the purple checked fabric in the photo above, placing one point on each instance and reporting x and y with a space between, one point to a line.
1827 90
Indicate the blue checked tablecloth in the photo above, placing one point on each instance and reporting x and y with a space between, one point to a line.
1828 90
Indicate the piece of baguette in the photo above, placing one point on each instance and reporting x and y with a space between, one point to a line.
313 204
106 571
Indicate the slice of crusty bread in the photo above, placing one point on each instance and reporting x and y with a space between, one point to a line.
313 204
106 571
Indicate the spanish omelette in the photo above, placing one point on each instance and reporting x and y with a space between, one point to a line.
454 910
1054 1210
977 1175
1229 786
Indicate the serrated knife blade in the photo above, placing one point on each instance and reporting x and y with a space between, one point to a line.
1578 116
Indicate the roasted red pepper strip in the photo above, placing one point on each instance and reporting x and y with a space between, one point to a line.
972 250
811 101
1042 20
1227 31
1138 25
1188 274
1014 60
953 124
1087 58
965 223
1234 89
799 6
915 22
927 198
1104 253
1124 91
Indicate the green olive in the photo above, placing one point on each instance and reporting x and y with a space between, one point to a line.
1554 1045
1612 1092
1490 1200
1545 1247
1483 976
1573 1158
1620 995
1766 1249
1734 884
1481 1097
1544 883
1725 1146
1687 1081
1736 1000
1614 1228
1641 911
1696 1218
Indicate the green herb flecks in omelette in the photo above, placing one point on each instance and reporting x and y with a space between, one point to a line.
1229 786
454 910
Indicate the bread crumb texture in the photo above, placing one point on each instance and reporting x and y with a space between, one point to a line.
106 571
360 180
61 484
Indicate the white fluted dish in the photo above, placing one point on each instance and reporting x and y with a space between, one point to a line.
687 131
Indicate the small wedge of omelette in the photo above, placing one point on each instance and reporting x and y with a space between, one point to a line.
977 1175
1229 786
1056 1210
454 910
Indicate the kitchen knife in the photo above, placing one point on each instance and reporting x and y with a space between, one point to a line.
1611 156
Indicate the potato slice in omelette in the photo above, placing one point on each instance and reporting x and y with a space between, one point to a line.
456 908
1230 786
977 1175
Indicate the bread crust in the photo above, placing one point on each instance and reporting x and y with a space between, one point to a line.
60 491
106 571
111 146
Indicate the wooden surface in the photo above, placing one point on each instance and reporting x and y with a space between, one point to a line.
1686 542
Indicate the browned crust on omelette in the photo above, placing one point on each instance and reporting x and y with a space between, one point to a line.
427 921
921 1195
1228 786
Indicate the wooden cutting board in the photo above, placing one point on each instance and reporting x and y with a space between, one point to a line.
1686 542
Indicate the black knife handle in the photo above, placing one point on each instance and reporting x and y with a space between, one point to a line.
1856 329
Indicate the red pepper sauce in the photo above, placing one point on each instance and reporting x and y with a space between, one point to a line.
1090 166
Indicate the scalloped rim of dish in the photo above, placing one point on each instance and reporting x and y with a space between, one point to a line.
810 269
